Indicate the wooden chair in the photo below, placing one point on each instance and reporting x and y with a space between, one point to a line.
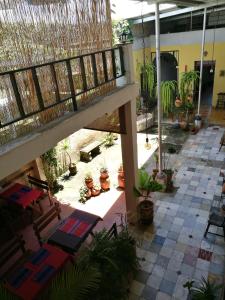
40 224
112 231
217 220
9 249
42 184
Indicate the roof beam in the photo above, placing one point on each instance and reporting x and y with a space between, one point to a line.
180 11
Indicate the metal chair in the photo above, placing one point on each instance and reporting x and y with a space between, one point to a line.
216 220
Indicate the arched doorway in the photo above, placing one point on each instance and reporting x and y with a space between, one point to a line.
168 66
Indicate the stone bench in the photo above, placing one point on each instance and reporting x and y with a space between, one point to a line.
89 151
141 122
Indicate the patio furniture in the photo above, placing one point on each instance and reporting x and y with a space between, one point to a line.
216 219
30 280
22 195
10 248
89 151
222 141
73 231
42 184
40 224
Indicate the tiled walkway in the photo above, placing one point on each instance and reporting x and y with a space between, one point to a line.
173 250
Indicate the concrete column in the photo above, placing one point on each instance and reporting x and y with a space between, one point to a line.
129 156
128 63
39 170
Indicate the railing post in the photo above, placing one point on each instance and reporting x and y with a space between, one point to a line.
17 94
105 66
83 74
113 63
94 67
37 88
72 90
54 77
128 63
122 60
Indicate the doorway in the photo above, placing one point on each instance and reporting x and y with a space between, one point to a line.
168 66
207 82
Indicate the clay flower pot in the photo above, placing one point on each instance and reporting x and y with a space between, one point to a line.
72 169
121 178
95 191
146 212
178 102
89 181
104 179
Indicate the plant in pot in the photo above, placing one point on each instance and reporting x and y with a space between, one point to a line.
85 194
168 91
72 166
109 140
89 180
121 177
95 191
206 290
104 179
146 185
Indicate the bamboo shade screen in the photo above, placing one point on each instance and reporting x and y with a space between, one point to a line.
38 31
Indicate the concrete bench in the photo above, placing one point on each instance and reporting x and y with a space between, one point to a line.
89 151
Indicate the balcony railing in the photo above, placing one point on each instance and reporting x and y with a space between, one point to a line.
29 94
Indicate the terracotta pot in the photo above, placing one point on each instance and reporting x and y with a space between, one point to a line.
104 175
89 183
95 192
146 211
178 103
121 179
105 183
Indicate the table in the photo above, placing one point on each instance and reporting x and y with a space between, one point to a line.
21 195
73 231
31 278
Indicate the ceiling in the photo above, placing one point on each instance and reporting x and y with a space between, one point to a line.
185 3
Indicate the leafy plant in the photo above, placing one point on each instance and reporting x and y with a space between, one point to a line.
103 170
168 92
109 140
65 147
79 282
88 176
146 184
206 291
187 83
148 78
116 259
83 194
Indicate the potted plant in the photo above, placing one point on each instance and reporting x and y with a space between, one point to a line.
169 182
85 194
121 177
89 180
104 179
168 90
95 191
109 139
206 290
72 166
145 187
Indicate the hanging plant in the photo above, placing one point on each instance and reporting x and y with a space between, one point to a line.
168 92
187 84
148 79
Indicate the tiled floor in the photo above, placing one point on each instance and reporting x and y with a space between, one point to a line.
174 250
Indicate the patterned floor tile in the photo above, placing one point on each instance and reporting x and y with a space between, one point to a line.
205 255
149 293
167 287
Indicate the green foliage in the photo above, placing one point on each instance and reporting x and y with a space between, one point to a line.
6 295
65 147
168 93
83 192
149 78
146 184
109 140
77 283
116 259
206 291
187 83
120 27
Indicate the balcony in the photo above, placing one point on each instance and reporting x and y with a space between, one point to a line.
34 96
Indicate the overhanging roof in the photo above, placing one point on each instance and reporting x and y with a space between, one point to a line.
187 6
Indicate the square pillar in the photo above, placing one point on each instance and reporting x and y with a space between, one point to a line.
129 155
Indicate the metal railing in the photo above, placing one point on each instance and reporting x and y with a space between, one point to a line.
105 65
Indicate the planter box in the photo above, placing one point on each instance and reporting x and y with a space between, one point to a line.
141 121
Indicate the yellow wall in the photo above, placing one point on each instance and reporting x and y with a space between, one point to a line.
188 54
